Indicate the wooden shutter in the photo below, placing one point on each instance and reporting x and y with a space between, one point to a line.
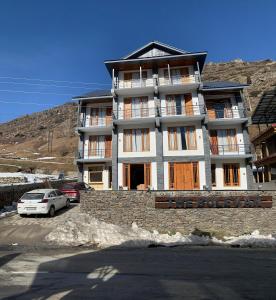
232 139
128 76
108 142
145 139
108 115
127 108
147 174
93 146
126 175
214 141
211 110
127 140
189 104
191 138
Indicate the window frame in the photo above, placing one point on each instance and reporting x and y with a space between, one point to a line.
231 168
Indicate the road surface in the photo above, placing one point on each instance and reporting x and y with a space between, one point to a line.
149 273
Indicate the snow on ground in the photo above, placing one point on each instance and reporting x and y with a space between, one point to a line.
31 178
7 210
82 229
46 157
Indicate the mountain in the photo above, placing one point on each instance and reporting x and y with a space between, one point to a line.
25 140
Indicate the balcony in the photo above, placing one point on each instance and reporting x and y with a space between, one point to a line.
134 86
226 116
178 83
230 151
95 124
94 155
135 115
181 113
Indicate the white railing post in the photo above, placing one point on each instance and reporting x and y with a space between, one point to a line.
169 73
140 76
113 78
199 76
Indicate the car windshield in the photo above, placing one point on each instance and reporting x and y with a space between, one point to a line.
32 196
68 187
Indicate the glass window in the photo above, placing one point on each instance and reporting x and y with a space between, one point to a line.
96 174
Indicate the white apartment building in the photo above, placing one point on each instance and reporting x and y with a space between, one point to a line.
161 127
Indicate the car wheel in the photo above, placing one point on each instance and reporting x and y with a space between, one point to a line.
22 215
68 203
52 211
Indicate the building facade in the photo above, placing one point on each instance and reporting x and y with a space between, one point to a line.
161 127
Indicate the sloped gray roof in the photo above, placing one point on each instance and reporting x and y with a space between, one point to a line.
213 85
95 94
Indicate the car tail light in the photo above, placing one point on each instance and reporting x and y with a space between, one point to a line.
44 200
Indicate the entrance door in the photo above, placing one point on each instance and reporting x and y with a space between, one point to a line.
137 176
183 176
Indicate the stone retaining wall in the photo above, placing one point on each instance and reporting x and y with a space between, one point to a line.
126 207
12 193
11 180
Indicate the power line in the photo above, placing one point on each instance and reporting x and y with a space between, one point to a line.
51 80
27 92
29 103
47 85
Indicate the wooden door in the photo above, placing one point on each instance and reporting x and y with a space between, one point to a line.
108 141
214 142
183 176
211 110
189 104
93 146
127 108
184 72
147 175
127 80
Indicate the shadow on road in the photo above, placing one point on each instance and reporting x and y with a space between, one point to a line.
157 273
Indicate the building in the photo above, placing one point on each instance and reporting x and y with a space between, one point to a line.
265 141
161 127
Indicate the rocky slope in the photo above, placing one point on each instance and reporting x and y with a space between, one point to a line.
28 136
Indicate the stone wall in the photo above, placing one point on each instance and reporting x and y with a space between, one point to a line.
11 180
126 207
12 193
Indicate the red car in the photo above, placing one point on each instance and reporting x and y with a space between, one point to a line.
72 190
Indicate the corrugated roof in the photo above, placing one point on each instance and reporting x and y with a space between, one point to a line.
212 85
95 94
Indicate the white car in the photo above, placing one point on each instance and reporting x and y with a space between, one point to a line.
42 201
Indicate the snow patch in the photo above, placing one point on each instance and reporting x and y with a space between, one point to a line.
46 157
82 229
7 210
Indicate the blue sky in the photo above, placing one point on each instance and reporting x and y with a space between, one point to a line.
69 40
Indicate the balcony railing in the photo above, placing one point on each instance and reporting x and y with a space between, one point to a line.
178 80
94 153
230 149
133 83
97 122
226 113
135 113
181 110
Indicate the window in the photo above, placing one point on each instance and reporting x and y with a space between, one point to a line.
136 140
132 79
213 172
100 146
96 174
100 116
231 174
195 175
182 138
59 193
136 107
179 104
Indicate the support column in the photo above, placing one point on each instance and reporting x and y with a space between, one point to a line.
115 149
249 172
207 156
169 73
140 76
159 157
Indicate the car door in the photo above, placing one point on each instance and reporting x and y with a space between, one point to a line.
53 199
61 198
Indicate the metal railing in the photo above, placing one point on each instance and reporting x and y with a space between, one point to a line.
98 122
135 113
133 83
230 149
226 113
94 153
181 110
178 80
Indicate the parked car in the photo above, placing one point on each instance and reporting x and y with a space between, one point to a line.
72 190
42 201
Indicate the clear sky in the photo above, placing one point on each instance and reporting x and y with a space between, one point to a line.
66 40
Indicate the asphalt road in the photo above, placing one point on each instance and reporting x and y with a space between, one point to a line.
151 273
